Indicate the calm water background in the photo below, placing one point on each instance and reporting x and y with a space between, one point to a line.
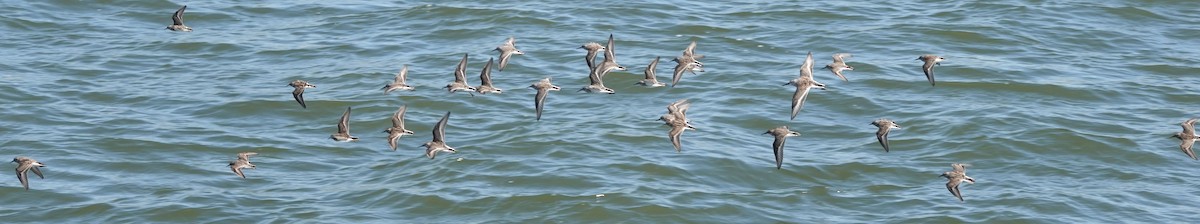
1064 109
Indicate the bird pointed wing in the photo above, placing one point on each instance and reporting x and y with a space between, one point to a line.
610 55
806 68
439 130
23 174
840 58
245 155
403 75
690 50
798 98
679 107
780 139
343 123
952 186
237 169
37 171
838 72
298 94
393 136
177 18
674 134
882 136
539 101
1189 126
1186 147
594 77
504 61
650 69
485 76
684 63
959 168
928 68
460 72
398 117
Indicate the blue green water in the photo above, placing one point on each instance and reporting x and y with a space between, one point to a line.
1063 108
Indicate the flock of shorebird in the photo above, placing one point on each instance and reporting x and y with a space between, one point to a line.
676 116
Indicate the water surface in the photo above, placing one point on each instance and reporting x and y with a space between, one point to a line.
1063 108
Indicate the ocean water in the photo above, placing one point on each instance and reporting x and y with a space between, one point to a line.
1064 109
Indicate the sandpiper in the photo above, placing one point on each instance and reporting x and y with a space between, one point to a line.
597 84
24 165
690 51
610 60
1187 137
298 93
839 64
650 79
803 84
399 83
539 100
397 128
676 117
592 49
884 126
956 177
689 62
245 155
781 133
438 143
177 21
930 60
460 78
485 78
507 50
343 132
677 109
243 161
